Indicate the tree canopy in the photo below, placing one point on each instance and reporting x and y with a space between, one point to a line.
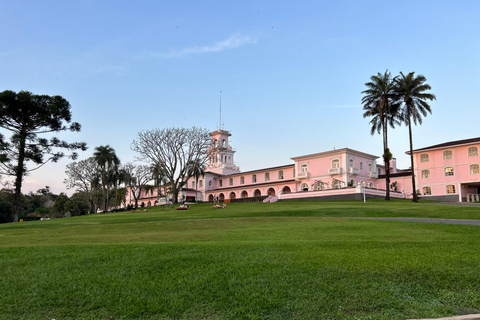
173 150
27 116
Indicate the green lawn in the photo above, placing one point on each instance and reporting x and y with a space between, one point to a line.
300 260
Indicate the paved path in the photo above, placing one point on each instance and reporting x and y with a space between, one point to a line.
447 221
467 317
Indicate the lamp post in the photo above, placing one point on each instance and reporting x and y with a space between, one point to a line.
364 199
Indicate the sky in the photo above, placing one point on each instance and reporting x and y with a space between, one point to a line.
290 74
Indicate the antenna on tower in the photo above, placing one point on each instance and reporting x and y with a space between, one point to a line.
220 119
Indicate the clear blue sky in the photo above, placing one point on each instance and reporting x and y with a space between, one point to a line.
291 73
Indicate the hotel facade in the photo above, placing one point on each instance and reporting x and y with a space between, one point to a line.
445 172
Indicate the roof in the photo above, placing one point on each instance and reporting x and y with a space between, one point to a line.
335 152
448 144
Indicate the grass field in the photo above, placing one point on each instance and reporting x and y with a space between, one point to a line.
298 260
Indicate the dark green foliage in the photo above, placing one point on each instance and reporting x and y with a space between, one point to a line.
5 211
26 116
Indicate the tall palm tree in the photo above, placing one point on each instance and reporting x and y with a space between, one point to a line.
380 102
196 170
157 175
108 161
412 91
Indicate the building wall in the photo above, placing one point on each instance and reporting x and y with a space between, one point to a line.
449 170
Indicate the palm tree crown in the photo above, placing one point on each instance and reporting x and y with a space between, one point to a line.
412 94
380 101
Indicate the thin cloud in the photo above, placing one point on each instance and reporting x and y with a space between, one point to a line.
234 41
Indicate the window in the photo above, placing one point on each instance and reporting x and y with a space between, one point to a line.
210 183
193 184
200 183
425 174
361 165
379 171
369 167
449 171
474 169
450 189
304 168
370 184
242 180
220 183
230 182
254 178
280 175
304 187
335 164
472 151
351 163
424 158
427 191
267 176
215 143
447 155
223 143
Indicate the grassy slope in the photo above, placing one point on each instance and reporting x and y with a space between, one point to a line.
253 261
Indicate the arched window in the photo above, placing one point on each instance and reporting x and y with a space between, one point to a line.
370 184
425 174
447 155
257 193
232 195
210 198
427 191
215 143
304 187
361 165
449 172
221 197
244 194
472 151
450 189
474 169
335 164
271 192
286 189
224 143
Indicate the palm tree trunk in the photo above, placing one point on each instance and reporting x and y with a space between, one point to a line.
386 160
415 198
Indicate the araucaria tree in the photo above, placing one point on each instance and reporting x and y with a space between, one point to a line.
173 149
380 101
27 116
413 93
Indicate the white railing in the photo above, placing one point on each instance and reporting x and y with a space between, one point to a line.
334 171
353 170
372 174
302 175
473 197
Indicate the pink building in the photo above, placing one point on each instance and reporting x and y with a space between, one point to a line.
341 173
447 172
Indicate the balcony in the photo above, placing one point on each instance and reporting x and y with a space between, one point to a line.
372 175
335 171
353 171
302 175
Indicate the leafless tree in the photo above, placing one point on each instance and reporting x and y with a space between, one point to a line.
136 178
84 176
173 149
